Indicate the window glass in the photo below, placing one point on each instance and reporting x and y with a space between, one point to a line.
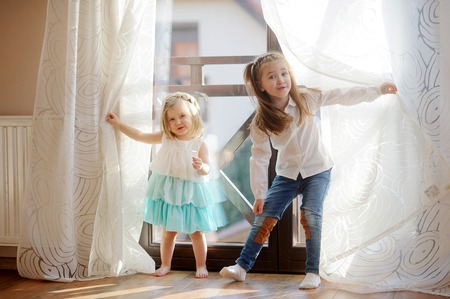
217 29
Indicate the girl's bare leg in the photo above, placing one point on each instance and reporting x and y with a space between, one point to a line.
166 249
200 251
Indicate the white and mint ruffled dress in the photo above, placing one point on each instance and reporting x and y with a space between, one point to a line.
178 198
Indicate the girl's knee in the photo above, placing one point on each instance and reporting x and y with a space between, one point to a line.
308 220
265 229
197 235
170 235
305 225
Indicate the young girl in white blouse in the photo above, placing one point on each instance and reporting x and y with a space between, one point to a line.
285 118
181 197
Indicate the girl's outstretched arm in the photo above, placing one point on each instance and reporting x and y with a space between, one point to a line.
131 132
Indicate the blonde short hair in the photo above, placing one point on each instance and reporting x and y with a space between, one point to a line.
193 106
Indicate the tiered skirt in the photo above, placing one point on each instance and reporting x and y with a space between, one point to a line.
185 206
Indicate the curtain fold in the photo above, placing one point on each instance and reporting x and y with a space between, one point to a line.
386 215
85 187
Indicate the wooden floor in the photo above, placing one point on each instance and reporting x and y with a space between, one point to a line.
183 284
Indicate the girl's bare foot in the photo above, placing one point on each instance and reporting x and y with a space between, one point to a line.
202 272
162 271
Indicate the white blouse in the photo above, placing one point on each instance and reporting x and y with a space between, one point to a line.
300 148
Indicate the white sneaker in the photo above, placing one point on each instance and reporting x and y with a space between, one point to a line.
311 281
235 272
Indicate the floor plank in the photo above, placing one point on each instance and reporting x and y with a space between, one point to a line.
183 285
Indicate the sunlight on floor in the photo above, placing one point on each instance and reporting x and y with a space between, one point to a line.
82 288
84 293
88 292
207 293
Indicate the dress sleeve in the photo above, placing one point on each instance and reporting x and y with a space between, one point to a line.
259 163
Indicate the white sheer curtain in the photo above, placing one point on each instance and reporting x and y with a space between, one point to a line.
386 219
83 207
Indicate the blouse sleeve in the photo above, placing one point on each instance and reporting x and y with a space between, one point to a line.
259 163
344 96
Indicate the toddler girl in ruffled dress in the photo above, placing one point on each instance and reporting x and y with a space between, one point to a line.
181 194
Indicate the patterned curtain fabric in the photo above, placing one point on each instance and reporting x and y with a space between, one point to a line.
386 218
83 205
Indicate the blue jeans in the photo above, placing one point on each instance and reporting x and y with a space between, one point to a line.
279 197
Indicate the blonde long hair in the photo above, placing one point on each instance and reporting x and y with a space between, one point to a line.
268 118
193 106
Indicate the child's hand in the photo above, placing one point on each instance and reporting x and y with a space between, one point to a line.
112 119
388 87
258 206
197 163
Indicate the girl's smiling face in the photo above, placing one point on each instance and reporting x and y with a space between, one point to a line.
179 119
276 81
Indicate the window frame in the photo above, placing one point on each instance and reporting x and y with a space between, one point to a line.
270 260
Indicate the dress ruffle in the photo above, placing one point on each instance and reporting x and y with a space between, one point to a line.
180 192
183 205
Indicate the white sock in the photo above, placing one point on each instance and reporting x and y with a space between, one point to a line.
235 272
311 281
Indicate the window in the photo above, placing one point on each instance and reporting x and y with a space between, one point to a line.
211 43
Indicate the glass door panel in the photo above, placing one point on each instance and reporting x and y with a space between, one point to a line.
208 55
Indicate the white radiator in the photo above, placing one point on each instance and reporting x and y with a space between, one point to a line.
14 134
